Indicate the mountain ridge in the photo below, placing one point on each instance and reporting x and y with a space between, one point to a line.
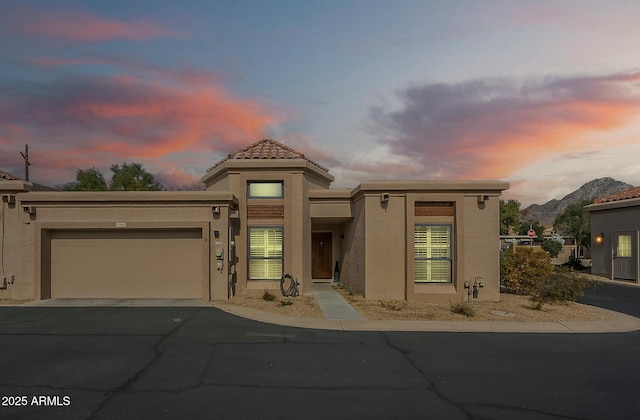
546 213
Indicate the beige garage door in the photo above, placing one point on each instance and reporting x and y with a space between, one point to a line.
127 264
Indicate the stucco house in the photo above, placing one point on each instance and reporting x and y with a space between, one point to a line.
615 235
267 210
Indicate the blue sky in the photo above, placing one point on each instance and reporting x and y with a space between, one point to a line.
545 94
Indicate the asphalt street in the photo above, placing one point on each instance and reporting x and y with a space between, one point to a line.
202 363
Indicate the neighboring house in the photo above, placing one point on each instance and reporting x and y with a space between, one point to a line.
268 210
5 176
615 230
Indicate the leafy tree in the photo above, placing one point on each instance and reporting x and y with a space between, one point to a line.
509 216
534 224
575 221
552 247
133 177
87 180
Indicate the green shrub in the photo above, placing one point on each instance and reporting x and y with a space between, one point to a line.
561 286
286 303
462 308
268 297
347 288
524 269
552 247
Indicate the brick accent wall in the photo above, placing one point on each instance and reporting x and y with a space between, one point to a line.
434 209
265 212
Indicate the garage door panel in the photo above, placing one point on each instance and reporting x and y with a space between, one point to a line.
94 251
127 264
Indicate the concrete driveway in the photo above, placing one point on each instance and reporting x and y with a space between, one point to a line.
203 363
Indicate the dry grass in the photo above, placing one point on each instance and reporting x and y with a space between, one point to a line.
519 307
301 306
6 301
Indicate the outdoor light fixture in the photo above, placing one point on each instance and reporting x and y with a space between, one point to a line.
599 238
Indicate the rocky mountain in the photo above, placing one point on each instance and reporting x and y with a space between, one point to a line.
547 213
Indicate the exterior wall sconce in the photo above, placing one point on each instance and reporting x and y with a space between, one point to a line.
599 238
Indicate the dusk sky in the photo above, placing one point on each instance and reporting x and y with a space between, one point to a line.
543 94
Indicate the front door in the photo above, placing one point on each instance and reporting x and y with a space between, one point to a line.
625 256
321 255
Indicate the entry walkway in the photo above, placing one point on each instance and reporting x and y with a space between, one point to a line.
332 304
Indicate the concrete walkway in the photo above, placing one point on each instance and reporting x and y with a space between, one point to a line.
332 304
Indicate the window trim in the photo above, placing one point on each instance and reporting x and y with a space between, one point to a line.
249 258
449 259
265 197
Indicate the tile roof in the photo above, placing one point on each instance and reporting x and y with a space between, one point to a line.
623 195
8 177
267 149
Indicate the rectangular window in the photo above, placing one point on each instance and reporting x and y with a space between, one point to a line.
624 246
432 253
265 189
265 253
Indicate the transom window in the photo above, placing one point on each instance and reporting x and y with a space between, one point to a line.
259 189
265 253
432 254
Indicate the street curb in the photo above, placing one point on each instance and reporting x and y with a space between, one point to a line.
617 323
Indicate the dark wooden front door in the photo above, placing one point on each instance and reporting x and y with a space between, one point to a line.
321 255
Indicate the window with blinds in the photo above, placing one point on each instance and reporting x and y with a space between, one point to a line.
265 253
432 254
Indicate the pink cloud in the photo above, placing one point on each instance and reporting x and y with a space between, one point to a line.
490 128
84 122
76 26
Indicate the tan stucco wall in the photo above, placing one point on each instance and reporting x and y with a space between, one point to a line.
378 245
372 239
26 237
353 248
385 247
298 177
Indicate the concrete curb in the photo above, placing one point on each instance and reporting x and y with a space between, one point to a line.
617 323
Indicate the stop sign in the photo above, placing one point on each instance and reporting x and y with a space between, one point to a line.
531 233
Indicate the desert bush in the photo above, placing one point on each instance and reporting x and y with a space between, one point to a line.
286 303
524 270
552 247
462 308
561 286
347 288
393 305
268 296
574 264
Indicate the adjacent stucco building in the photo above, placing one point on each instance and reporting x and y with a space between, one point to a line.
615 230
267 210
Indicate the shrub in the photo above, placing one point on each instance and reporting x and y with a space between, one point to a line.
574 264
552 247
525 269
393 305
286 303
268 297
347 288
462 308
561 286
